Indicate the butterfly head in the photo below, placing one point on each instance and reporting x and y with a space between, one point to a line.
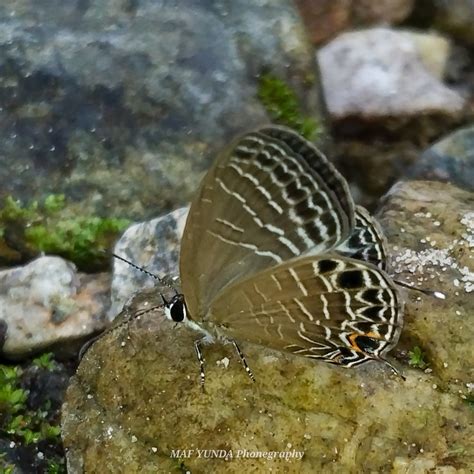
175 308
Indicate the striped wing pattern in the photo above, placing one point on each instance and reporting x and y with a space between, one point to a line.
271 197
367 241
275 252
329 307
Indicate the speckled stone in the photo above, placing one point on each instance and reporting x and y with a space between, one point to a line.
431 228
121 105
136 395
48 305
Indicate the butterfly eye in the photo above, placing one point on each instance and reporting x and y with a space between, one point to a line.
177 309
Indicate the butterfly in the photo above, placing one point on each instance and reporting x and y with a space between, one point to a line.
276 253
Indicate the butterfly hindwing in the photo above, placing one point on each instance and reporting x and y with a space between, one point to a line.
329 307
367 241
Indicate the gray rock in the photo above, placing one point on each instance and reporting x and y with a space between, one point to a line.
450 159
121 105
153 245
136 396
46 304
380 72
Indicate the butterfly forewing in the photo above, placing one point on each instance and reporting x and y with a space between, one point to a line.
367 241
329 307
270 198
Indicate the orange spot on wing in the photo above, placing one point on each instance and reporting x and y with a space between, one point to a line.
353 339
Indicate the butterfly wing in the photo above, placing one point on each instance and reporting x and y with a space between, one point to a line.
329 307
269 198
367 241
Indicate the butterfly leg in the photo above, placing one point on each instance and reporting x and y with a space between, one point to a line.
244 362
197 346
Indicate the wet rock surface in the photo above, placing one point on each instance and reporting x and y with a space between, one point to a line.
46 304
136 395
121 105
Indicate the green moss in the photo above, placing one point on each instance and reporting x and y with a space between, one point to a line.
283 107
55 468
48 227
416 358
45 361
16 418
5 468
22 424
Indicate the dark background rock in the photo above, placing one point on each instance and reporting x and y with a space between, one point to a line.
455 17
451 159
324 19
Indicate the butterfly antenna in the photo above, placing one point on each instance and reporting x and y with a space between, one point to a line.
141 269
436 294
85 347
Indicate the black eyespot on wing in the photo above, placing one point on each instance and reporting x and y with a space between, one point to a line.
371 296
326 266
367 344
351 279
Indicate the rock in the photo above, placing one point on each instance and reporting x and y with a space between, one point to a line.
47 304
324 19
121 105
380 73
431 228
387 102
152 245
450 159
456 17
136 404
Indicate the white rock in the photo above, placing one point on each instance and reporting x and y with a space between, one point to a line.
382 72
47 302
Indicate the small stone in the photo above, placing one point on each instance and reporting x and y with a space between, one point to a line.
379 72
